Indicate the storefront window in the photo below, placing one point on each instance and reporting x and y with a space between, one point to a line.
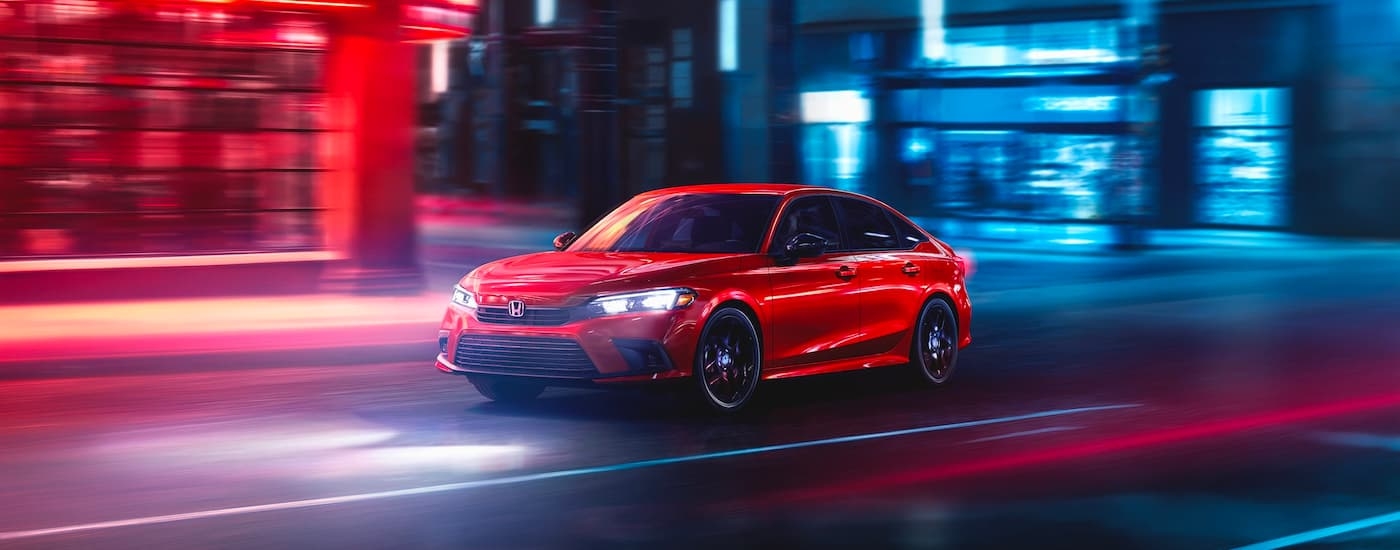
835 155
918 157
1073 176
978 173
835 140
188 132
1016 174
1242 149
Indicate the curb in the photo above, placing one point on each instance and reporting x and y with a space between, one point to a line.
214 351
222 361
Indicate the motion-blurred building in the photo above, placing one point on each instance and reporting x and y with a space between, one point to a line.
271 138
1003 118
996 118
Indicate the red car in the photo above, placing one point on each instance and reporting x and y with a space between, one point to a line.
721 284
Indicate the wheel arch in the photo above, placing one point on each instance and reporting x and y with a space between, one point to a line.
748 310
962 310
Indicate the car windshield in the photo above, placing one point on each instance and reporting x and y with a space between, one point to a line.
700 223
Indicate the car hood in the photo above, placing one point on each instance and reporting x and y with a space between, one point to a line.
571 277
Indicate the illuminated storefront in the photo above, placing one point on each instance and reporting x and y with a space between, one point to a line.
1085 121
189 129
1242 145
1037 151
1026 121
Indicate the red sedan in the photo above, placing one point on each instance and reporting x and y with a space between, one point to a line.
725 285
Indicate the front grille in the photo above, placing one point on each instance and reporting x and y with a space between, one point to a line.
534 316
524 355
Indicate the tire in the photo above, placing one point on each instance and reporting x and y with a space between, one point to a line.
505 390
728 361
934 351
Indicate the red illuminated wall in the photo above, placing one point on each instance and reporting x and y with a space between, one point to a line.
192 128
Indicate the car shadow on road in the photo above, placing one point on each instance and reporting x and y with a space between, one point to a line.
835 394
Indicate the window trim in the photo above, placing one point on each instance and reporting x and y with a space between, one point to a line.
841 218
833 199
787 207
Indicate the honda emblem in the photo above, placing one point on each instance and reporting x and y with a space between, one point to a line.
515 308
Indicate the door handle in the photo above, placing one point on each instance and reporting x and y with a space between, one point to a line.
846 272
910 268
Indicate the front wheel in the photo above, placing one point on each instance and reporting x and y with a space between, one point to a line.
935 351
505 390
728 360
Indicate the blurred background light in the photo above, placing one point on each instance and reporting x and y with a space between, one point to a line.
844 106
935 46
729 35
545 12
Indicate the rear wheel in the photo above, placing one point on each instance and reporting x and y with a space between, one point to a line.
729 360
935 351
507 390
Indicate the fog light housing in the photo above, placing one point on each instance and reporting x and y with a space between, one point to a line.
643 356
442 341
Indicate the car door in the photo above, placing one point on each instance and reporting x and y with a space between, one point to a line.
891 281
814 306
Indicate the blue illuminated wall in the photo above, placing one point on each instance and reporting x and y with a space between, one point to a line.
1026 91
1241 117
1360 186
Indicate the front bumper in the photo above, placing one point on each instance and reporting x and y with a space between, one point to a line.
623 348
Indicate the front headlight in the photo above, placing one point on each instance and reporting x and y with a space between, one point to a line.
462 297
652 300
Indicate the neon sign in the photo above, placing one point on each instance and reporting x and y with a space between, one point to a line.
1090 103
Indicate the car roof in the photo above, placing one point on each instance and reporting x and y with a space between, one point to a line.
746 188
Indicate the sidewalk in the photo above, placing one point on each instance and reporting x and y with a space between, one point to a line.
192 334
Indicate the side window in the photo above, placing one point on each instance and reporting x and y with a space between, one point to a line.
909 236
809 215
867 226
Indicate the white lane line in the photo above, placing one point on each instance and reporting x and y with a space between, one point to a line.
1051 429
511 480
1325 532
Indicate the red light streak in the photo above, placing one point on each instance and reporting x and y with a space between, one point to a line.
315 3
1126 443
444 30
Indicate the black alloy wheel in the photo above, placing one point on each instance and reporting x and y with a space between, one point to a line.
728 360
936 342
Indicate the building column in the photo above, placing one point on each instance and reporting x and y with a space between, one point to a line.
370 194
784 113
597 114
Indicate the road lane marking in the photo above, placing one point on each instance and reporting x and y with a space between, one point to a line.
1325 532
1051 429
1362 440
526 478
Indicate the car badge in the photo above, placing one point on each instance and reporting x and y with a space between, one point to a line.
515 308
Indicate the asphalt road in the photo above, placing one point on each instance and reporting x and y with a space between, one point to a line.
1170 401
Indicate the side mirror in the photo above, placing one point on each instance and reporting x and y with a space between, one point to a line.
562 241
804 245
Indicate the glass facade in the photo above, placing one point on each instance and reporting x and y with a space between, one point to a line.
835 155
1242 156
836 140
971 141
1044 151
129 132
1021 174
